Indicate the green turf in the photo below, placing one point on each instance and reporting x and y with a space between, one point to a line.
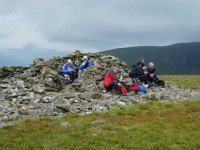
183 81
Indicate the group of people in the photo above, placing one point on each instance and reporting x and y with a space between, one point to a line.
145 74
70 72
142 76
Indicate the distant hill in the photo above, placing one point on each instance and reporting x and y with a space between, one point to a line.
181 58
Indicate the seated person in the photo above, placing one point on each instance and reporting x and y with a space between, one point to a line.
140 62
110 82
69 71
97 63
84 65
152 78
151 69
138 72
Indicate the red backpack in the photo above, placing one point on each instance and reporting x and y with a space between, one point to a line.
134 87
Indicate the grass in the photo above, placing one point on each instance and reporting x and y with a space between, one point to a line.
154 125
182 81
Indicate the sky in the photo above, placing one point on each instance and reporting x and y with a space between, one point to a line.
45 28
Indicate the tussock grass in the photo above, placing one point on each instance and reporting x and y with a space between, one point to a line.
154 125
182 81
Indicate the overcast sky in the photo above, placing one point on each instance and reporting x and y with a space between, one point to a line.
42 28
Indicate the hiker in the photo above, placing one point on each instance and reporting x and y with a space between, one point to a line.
84 65
97 63
140 62
111 82
69 72
152 78
138 72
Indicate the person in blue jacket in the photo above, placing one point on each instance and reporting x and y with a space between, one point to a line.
84 65
69 72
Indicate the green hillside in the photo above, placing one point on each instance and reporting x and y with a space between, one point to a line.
182 58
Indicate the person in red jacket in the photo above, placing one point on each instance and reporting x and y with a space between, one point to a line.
111 82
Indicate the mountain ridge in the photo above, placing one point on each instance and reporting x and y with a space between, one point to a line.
178 58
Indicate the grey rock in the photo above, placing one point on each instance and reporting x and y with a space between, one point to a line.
64 109
69 95
90 95
13 95
101 86
121 103
98 77
2 108
23 111
38 89
50 82
47 99
20 83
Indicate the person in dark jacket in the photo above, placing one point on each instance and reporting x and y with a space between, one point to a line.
84 65
138 72
69 72
111 82
140 62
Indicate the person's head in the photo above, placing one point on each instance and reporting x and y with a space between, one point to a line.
141 62
69 62
66 76
97 62
151 64
85 58
115 69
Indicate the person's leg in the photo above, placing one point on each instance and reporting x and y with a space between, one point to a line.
126 86
143 78
72 76
80 73
115 85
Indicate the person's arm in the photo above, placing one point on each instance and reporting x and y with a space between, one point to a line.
73 68
90 63
64 68
81 67
140 71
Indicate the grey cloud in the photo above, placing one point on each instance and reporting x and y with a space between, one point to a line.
66 25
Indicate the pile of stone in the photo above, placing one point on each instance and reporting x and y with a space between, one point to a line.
38 90
11 71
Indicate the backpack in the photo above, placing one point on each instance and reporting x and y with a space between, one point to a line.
134 87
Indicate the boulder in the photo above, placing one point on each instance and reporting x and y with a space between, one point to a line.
23 111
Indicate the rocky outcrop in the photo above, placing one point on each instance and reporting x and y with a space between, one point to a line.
38 90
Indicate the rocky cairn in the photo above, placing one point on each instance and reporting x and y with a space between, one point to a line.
38 90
